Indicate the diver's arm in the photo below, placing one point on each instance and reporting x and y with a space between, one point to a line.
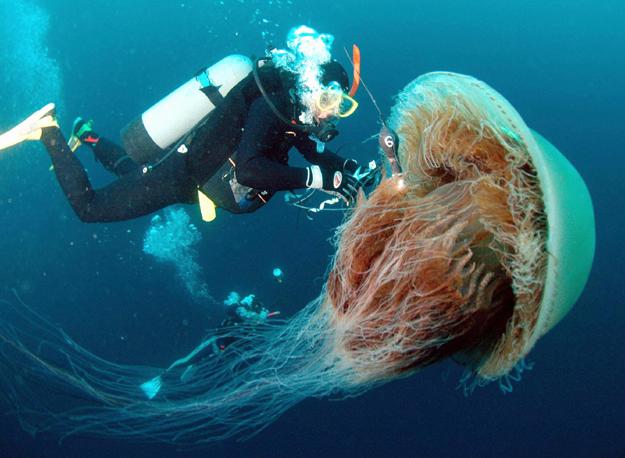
254 167
328 159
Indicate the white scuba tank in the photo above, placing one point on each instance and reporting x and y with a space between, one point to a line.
150 135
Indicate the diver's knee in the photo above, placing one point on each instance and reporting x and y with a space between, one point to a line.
85 215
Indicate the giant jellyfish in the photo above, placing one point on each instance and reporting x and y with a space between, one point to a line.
479 247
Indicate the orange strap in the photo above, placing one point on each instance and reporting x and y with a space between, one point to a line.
356 64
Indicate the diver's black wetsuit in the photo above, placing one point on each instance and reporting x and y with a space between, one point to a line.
243 123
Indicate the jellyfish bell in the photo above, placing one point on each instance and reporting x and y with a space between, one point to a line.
570 248
479 248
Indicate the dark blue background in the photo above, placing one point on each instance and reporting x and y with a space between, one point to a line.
560 63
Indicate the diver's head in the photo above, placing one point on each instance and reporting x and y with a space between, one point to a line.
320 81
331 99
334 71
320 84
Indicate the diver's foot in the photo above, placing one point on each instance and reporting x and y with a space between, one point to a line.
82 132
31 128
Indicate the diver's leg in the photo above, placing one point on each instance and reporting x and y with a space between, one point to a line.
187 368
111 156
196 354
131 196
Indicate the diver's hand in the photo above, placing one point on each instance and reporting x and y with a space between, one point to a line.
351 166
335 182
367 176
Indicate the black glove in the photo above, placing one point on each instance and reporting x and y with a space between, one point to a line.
351 166
335 182
367 176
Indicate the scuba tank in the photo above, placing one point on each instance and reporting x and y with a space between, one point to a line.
148 138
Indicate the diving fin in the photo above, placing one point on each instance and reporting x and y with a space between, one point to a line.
79 129
152 387
30 128
74 139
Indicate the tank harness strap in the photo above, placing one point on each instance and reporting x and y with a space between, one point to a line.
209 89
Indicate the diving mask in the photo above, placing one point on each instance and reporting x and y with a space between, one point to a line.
331 101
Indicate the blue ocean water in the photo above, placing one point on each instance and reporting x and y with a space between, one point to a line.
560 63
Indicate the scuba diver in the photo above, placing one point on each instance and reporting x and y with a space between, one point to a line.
221 140
246 311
